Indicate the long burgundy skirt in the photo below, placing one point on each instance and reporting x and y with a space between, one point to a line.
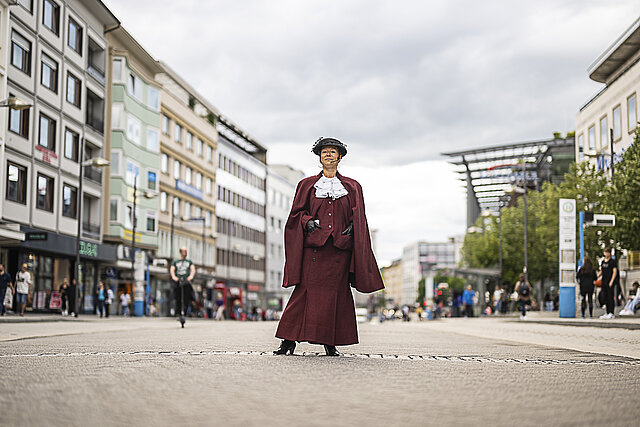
321 309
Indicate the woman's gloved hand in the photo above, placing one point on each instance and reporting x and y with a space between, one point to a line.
312 225
349 230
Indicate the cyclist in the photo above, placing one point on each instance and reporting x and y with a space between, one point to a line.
182 270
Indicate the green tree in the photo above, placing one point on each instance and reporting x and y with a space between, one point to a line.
421 291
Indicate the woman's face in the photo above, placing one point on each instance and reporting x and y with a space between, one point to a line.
329 157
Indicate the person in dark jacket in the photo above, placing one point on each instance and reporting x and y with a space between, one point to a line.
586 277
327 248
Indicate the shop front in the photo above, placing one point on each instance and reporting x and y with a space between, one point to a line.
51 258
229 295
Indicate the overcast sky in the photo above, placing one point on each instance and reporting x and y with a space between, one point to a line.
398 81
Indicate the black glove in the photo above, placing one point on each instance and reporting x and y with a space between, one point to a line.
349 230
352 279
311 226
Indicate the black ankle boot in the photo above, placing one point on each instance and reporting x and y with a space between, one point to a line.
331 350
286 346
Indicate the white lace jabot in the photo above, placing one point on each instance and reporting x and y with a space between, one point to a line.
329 187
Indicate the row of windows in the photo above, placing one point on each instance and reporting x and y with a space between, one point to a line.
236 170
235 199
191 142
234 229
593 143
236 259
16 191
275 276
190 177
114 216
135 86
279 199
132 173
190 211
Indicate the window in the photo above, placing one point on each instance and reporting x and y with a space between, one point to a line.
74 89
617 123
176 206
187 175
209 153
165 125
164 163
132 173
16 183
151 221
51 16
189 144
27 4
199 147
198 180
47 137
152 140
187 210
163 201
632 117
19 122
581 146
198 212
95 111
152 181
69 201
178 135
20 53
134 127
207 219
207 186
135 87
604 131
113 210
75 36
45 193
591 138
96 60
115 163
153 98
71 142
49 73
176 169
117 70
128 217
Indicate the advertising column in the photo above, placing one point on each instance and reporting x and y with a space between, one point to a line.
567 257
139 280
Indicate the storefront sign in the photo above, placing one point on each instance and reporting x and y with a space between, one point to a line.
36 235
252 287
186 188
88 249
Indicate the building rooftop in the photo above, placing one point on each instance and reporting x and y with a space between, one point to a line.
607 66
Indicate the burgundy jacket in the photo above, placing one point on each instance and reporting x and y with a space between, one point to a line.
334 217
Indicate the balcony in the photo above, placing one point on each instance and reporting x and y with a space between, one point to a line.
93 174
90 230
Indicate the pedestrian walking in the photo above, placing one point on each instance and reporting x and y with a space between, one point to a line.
327 249
523 289
107 302
608 274
124 303
5 282
23 288
101 297
586 278
73 298
182 272
64 297
467 300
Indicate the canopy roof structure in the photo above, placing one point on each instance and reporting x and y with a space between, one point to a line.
493 175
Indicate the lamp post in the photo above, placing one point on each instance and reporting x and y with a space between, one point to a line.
98 163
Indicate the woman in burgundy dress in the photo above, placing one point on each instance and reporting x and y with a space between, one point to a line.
327 249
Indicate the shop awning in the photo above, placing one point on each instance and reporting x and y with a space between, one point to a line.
10 234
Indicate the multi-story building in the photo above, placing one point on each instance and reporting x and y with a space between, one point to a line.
613 111
241 217
188 145
133 96
424 259
392 276
56 62
281 186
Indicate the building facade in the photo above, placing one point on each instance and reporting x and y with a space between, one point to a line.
424 259
392 276
281 187
610 117
188 145
131 194
56 61
241 219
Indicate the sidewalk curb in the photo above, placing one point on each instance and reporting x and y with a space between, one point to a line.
593 324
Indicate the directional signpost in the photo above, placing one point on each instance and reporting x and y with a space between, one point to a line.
567 257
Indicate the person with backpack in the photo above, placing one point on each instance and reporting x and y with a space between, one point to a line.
586 278
523 288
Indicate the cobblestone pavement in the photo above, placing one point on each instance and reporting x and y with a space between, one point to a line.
454 372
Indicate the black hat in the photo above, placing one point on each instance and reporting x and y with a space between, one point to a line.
329 142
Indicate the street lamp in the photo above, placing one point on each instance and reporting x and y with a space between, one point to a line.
96 162
15 103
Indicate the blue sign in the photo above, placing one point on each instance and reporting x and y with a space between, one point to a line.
186 188
111 272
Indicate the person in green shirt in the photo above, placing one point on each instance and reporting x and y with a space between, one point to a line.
182 269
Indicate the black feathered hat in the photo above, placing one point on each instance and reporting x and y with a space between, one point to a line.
329 142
